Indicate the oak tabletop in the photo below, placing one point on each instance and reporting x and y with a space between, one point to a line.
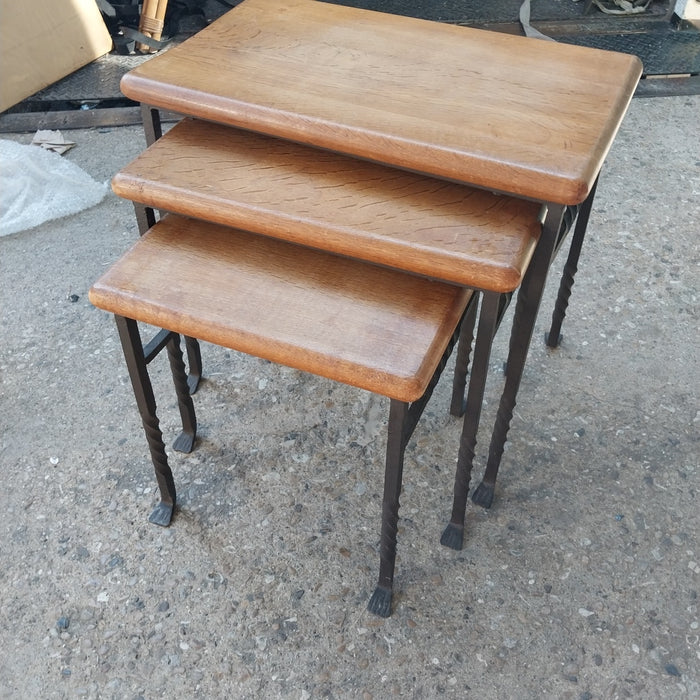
372 327
343 205
524 116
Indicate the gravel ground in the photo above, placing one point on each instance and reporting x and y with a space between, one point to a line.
580 582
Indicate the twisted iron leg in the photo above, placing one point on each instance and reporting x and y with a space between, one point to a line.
380 602
145 400
194 360
529 298
403 418
454 532
464 349
185 441
553 338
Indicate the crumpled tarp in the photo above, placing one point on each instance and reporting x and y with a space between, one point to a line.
37 185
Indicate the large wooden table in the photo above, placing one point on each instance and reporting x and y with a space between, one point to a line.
519 116
531 118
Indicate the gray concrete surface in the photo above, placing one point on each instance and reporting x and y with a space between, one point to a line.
581 581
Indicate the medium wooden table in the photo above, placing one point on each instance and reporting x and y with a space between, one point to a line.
529 118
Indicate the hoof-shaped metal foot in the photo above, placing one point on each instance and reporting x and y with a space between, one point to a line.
452 537
483 495
162 514
380 602
555 343
193 383
184 442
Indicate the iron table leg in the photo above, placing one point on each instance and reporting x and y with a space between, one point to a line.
145 217
464 348
136 362
380 602
458 404
194 362
454 532
403 418
185 441
152 127
529 298
553 338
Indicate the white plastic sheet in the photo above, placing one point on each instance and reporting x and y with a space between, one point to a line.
37 185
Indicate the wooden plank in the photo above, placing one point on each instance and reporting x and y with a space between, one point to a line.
69 119
15 123
346 206
503 112
363 325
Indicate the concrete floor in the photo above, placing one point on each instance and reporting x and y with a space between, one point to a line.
580 582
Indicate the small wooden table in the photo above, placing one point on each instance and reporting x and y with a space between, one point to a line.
507 114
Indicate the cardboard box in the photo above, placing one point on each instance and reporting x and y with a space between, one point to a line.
42 42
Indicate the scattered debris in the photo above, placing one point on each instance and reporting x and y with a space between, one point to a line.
52 141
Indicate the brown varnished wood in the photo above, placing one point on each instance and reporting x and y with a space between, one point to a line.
339 204
360 324
523 116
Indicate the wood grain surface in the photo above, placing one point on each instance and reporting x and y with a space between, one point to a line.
356 323
524 116
335 203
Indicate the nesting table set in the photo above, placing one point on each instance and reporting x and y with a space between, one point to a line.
348 191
